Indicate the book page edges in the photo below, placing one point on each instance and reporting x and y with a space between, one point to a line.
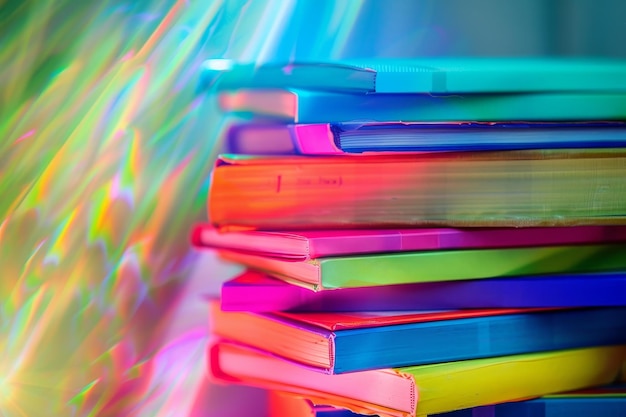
232 363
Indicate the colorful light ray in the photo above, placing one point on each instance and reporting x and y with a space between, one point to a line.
104 164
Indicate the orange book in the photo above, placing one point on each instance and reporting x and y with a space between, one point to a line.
508 188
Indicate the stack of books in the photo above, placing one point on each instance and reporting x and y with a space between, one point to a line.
423 237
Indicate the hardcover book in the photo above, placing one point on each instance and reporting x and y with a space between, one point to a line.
256 292
505 189
372 270
311 244
302 106
338 343
423 75
358 138
606 401
425 389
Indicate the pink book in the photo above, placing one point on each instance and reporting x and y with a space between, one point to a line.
311 244
424 389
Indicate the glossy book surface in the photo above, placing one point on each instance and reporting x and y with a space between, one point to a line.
426 389
311 244
337 343
257 292
433 266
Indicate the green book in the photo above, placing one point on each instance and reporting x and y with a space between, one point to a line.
432 266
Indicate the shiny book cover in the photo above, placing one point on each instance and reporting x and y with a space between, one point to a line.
338 343
257 292
425 389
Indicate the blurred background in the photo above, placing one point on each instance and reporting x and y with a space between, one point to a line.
105 153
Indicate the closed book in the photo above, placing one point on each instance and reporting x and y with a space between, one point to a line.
282 404
338 343
311 244
381 269
606 401
424 389
423 75
257 292
303 106
358 138
466 189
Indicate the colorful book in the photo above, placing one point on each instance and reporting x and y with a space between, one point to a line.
423 75
282 404
433 266
302 106
358 138
607 401
337 343
311 244
505 189
425 389
256 292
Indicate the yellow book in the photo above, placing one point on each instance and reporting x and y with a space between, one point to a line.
426 389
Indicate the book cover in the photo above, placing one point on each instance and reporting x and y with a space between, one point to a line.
338 343
607 401
505 189
426 389
358 138
372 270
423 75
256 292
311 244
302 106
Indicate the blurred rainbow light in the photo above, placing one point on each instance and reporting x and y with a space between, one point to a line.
104 164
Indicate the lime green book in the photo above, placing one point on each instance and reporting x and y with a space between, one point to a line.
426 389
432 266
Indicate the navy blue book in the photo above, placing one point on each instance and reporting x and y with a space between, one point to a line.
356 138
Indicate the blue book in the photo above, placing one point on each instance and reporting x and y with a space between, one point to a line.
257 292
356 138
337 343
601 402
460 75
304 106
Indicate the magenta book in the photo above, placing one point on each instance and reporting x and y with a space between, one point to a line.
311 244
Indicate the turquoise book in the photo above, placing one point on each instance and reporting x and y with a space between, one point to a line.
451 75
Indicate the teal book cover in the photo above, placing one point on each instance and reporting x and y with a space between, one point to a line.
423 75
